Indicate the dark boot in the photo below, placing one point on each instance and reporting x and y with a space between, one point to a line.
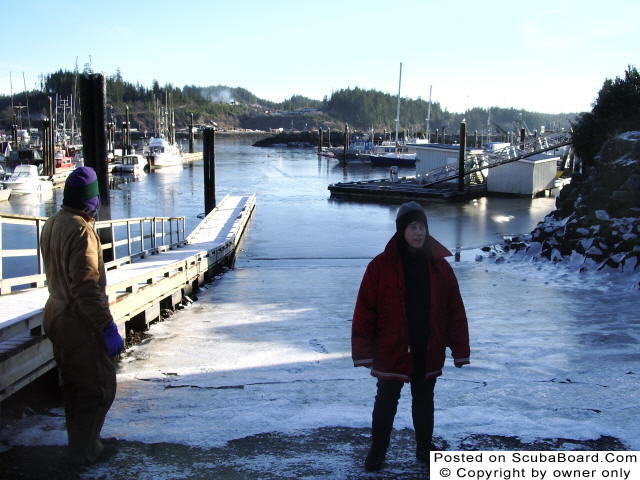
422 453
374 460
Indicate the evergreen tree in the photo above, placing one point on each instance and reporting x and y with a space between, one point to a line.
616 109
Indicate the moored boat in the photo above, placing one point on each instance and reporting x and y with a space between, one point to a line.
162 153
25 179
132 163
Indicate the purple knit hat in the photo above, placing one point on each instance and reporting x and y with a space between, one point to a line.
81 190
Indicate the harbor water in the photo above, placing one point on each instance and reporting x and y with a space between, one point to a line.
295 216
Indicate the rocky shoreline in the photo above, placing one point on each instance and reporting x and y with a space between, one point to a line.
596 224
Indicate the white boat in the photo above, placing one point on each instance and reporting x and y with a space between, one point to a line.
4 193
133 163
25 179
162 153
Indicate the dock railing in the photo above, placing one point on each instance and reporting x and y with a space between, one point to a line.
131 238
136 295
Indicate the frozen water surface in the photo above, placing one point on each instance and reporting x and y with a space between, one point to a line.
266 348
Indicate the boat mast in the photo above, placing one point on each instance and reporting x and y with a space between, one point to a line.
398 105
26 96
429 116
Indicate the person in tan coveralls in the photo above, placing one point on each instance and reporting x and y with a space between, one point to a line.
77 318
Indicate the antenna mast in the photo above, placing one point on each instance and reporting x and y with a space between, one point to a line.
398 106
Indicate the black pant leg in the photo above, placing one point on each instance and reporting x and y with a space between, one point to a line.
422 409
384 411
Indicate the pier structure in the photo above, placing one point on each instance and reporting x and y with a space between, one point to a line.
157 268
438 183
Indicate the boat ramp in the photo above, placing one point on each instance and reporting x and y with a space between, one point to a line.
157 269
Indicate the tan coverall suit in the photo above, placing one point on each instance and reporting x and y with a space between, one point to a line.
75 315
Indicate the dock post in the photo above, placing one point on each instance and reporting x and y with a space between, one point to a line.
93 93
437 135
461 156
320 140
444 134
209 157
127 142
346 143
522 137
191 135
475 139
46 146
329 136
49 161
14 133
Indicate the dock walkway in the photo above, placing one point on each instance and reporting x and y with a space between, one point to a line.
137 291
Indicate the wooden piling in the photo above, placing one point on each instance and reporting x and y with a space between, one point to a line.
191 136
127 142
320 140
444 134
462 155
93 95
48 167
14 133
475 139
522 138
209 157
437 135
346 143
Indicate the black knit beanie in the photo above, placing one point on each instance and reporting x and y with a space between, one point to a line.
410 212
407 213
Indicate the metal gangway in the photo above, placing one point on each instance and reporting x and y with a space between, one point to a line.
478 162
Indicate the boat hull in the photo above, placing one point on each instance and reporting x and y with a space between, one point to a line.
383 161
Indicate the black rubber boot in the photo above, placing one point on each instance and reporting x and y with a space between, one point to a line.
374 460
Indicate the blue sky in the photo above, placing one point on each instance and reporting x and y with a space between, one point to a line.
549 56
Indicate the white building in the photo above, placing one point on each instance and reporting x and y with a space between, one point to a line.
528 176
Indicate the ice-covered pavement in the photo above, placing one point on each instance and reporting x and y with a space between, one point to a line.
265 353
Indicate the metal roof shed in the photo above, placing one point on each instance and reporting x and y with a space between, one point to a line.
526 177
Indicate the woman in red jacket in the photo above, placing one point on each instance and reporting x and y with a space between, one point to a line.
408 311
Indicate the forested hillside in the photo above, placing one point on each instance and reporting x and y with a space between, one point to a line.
238 107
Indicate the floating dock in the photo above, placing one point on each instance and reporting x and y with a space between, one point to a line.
403 190
139 285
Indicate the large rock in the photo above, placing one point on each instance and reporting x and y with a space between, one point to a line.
598 214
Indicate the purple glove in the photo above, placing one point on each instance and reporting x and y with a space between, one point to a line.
112 340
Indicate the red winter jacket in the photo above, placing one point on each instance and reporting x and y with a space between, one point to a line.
380 331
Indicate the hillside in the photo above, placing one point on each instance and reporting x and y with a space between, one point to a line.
234 107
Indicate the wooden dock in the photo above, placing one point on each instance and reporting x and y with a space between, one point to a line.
404 190
139 284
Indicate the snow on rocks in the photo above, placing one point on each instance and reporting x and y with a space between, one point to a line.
596 224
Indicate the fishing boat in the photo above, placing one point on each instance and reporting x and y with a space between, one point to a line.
162 153
25 179
397 158
133 163
4 193
394 153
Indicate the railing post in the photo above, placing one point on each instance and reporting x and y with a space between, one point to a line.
38 234
461 156
184 227
170 233
129 239
1 251
142 237
113 242
153 233
163 234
